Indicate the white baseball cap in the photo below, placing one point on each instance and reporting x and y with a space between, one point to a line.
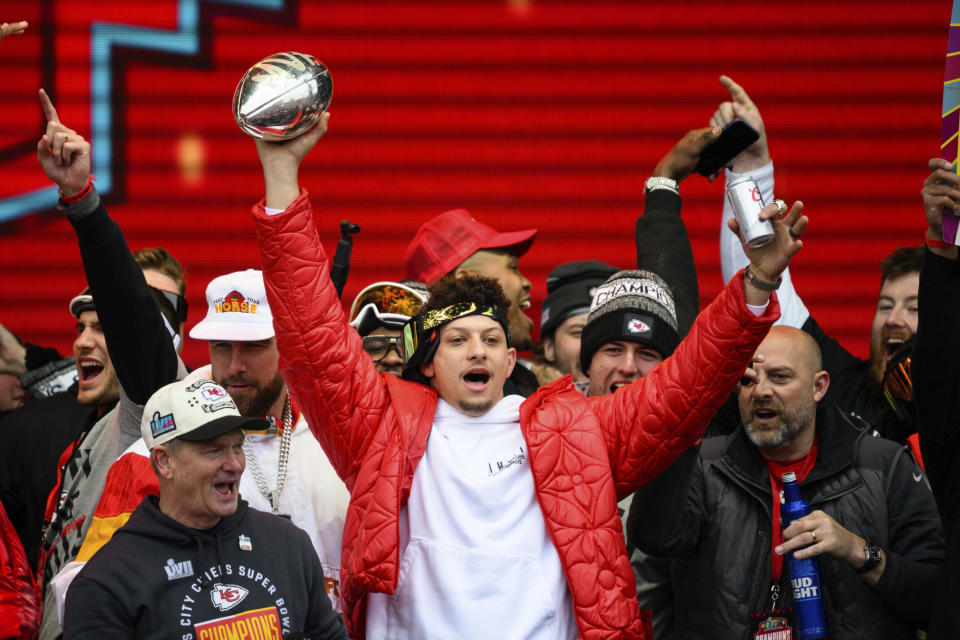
192 410
237 309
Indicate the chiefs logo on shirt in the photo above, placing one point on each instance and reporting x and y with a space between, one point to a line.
227 596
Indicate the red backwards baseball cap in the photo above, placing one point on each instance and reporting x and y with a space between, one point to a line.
443 242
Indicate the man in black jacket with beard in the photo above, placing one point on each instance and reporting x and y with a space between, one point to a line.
874 524
195 562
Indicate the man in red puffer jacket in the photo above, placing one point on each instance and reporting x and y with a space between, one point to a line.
471 513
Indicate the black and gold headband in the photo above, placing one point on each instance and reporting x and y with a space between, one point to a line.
420 335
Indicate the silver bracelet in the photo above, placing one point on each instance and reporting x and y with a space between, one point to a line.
659 182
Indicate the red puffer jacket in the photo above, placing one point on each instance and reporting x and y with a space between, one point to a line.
19 615
585 453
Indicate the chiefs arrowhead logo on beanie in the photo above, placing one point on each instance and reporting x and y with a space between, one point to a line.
636 306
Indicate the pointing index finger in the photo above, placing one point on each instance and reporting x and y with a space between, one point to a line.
49 111
736 91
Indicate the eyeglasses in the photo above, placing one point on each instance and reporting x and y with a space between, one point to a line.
379 346
177 301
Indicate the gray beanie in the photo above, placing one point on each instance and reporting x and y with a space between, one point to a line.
636 306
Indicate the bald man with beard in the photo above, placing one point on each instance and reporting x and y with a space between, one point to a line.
873 526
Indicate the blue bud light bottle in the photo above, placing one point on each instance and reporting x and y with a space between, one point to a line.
804 574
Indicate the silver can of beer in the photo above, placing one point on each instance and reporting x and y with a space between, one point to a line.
745 198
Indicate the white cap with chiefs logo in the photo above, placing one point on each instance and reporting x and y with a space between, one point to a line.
237 309
193 410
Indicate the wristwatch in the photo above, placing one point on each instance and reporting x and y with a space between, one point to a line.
660 182
874 555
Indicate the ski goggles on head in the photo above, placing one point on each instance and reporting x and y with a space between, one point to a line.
388 304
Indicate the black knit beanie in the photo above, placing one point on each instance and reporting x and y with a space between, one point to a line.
636 306
570 289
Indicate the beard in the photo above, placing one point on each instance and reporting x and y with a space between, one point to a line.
258 403
475 407
792 424
878 364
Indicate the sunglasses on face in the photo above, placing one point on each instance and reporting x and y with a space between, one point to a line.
379 346
178 302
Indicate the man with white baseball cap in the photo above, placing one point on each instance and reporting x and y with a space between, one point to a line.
204 538
243 353
287 472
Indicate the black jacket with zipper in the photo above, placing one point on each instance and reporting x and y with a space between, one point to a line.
712 510
252 575
936 382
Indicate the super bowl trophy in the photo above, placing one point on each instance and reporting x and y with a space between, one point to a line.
282 96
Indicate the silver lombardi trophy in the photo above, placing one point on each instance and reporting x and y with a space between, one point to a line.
282 96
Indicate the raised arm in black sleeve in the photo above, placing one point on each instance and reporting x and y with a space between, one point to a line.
936 377
663 247
936 381
138 341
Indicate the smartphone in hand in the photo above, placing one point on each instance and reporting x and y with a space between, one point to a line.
733 140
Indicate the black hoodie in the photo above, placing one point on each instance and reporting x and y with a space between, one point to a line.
254 575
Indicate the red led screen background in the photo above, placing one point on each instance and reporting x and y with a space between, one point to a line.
530 113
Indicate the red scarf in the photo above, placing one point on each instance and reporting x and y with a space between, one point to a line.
801 467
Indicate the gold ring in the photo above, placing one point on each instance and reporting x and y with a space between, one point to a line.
813 534
781 208
65 138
